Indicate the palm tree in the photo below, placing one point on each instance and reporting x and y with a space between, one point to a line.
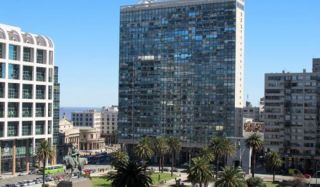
273 162
44 152
119 157
129 174
143 149
254 142
221 148
174 146
207 154
199 171
230 177
161 148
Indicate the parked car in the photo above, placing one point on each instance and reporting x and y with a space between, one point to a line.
9 185
31 182
48 179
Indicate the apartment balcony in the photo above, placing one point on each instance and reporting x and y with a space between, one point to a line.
40 96
27 73
2 50
1 129
26 128
41 74
13 91
27 54
27 110
41 77
40 110
13 128
2 89
40 127
50 110
13 110
2 70
40 92
41 56
27 91
13 71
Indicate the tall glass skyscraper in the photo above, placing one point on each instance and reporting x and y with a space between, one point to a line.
181 70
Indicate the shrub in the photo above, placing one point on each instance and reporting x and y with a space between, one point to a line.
255 182
294 172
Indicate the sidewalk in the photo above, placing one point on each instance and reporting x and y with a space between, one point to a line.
281 178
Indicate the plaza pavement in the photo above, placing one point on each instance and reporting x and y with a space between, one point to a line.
104 169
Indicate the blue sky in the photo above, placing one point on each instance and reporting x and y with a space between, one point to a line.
280 35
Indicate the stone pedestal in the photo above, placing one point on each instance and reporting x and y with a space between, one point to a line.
82 182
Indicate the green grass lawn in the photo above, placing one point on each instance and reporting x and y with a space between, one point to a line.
163 177
103 182
100 182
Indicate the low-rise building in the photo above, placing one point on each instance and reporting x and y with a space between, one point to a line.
87 140
91 140
109 123
109 120
90 118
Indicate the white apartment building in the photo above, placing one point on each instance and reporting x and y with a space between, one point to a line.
109 120
26 96
90 118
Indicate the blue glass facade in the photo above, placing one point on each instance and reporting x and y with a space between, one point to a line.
177 70
13 52
56 105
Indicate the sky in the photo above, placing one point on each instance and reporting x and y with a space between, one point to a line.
280 35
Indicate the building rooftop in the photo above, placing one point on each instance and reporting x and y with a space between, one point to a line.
147 4
13 33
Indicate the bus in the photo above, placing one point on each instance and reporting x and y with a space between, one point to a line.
55 169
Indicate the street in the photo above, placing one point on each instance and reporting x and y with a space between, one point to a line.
13 180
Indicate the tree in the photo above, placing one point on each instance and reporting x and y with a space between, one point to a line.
119 157
273 162
44 152
129 174
143 149
174 146
199 171
230 177
254 142
221 148
161 148
207 154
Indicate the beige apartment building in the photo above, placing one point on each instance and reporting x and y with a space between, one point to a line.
291 116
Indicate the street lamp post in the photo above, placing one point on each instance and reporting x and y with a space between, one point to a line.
240 156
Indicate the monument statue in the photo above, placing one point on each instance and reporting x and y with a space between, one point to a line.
73 162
